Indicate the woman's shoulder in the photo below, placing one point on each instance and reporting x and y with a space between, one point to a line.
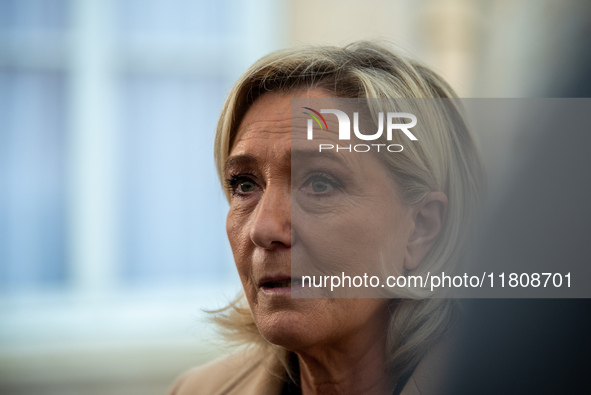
246 372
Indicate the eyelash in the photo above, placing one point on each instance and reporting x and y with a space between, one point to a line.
324 177
234 181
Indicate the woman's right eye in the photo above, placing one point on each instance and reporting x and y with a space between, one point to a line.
246 186
241 185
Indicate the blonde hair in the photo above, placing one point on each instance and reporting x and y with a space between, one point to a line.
446 161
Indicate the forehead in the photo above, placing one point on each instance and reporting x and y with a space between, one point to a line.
267 125
271 113
270 116
266 138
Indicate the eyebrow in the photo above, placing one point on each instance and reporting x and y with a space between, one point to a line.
242 160
310 155
299 155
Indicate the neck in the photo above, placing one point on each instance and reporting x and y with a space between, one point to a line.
354 366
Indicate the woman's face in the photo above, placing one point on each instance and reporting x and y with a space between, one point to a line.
338 210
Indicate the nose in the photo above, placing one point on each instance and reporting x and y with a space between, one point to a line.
271 224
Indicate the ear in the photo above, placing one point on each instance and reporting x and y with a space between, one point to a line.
427 219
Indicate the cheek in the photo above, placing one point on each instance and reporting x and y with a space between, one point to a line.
355 242
231 228
236 230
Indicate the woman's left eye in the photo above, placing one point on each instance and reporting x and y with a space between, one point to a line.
320 184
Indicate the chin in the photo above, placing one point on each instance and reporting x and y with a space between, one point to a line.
288 329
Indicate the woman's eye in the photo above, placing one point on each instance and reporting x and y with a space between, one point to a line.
246 186
320 186
241 185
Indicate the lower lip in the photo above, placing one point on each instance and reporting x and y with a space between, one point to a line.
278 291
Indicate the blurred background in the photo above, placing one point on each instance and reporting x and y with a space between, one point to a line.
112 238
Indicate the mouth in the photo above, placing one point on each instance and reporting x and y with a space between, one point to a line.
279 285
287 283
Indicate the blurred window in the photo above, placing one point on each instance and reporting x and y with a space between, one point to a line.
32 144
32 176
107 115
